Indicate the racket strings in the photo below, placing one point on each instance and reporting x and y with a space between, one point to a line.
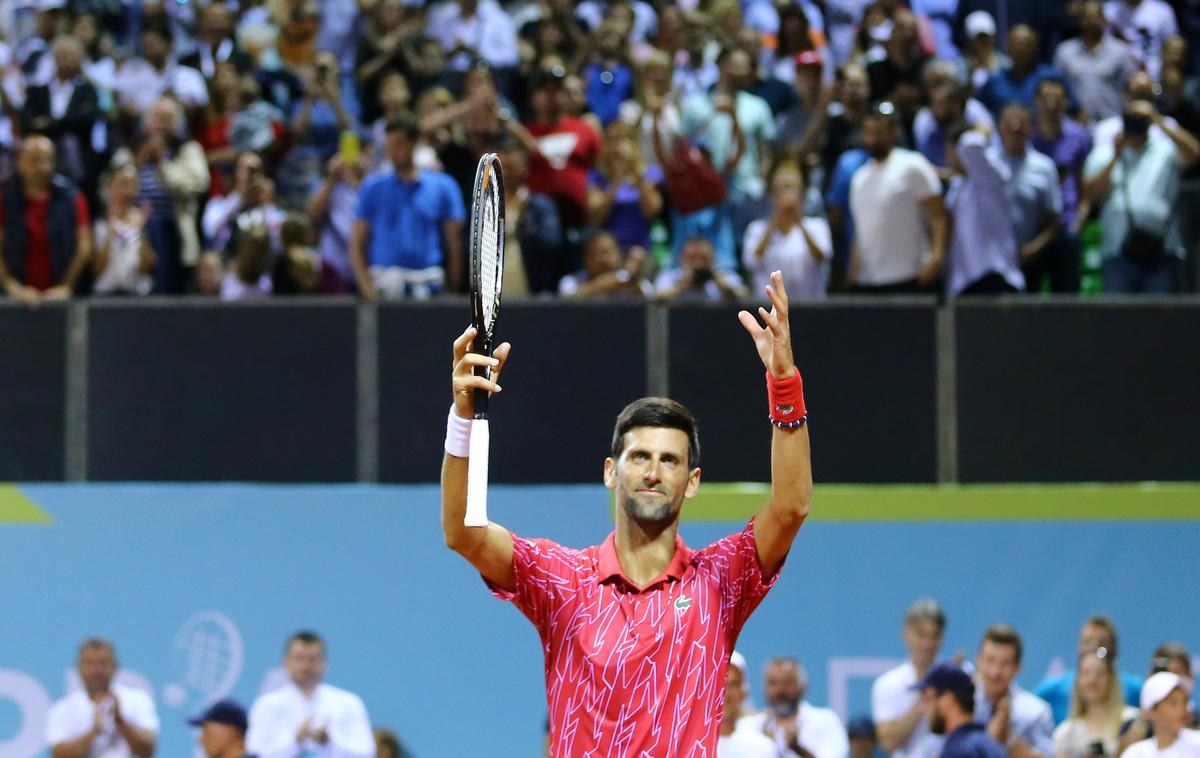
489 258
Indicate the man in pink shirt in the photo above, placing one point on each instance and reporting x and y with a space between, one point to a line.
637 631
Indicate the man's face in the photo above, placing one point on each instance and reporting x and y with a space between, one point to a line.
1092 638
1015 126
651 477
879 136
68 59
215 738
96 668
217 23
782 688
400 149
154 48
945 107
1091 18
1022 46
737 70
998 666
1051 100
602 256
923 638
305 663
1172 712
855 86
697 255
36 160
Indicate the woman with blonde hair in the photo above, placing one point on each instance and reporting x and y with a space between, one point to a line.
1097 710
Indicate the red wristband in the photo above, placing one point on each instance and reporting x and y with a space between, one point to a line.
786 400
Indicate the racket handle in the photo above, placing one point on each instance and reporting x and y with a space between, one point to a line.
477 474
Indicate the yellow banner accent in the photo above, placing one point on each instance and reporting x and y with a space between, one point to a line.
15 508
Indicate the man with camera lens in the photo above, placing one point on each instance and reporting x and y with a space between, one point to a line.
1136 177
696 279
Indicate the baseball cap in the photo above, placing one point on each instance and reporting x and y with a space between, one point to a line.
946 677
861 726
980 22
1157 687
227 711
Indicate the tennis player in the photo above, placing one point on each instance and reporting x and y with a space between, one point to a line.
637 631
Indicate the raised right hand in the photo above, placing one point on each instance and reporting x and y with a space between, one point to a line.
463 378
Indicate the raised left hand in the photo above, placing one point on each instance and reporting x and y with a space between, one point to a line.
773 341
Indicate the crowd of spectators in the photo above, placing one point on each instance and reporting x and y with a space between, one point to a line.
930 706
247 148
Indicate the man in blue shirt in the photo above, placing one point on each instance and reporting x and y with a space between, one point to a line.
949 694
1019 81
406 236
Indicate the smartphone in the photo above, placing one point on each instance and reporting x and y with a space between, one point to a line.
349 147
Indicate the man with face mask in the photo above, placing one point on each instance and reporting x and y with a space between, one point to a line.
949 696
799 729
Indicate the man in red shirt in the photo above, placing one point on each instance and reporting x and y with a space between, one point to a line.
44 229
562 151
638 631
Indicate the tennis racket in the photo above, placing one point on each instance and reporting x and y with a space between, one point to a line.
487 271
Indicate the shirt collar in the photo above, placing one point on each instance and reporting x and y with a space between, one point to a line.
610 566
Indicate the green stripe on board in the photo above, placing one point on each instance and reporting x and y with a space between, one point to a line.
1019 502
15 508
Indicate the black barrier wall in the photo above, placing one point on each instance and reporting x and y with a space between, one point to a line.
331 390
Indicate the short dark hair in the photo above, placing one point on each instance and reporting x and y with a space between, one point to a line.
1056 81
406 123
658 412
1003 634
306 637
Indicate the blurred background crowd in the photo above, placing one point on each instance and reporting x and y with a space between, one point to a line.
651 149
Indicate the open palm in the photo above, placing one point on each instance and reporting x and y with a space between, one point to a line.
774 340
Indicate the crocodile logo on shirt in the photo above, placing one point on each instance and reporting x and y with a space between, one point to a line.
683 603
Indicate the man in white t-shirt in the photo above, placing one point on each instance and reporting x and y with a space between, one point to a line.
799 729
901 718
737 739
891 197
1164 702
104 719
1145 25
306 716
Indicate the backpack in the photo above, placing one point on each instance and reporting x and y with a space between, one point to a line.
692 182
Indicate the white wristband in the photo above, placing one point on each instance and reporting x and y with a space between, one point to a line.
458 435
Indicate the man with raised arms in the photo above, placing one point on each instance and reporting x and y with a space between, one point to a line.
637 631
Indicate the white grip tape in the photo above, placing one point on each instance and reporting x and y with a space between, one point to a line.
477 474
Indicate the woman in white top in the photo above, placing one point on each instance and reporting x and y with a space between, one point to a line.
788 241
1097 710
124 258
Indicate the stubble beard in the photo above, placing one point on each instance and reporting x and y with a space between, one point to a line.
656 515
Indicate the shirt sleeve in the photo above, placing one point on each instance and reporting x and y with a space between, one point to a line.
1040 732
885 706
138 709
542 572
743 584
350 736
268 735
454 208
366 203
923 179
58 728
